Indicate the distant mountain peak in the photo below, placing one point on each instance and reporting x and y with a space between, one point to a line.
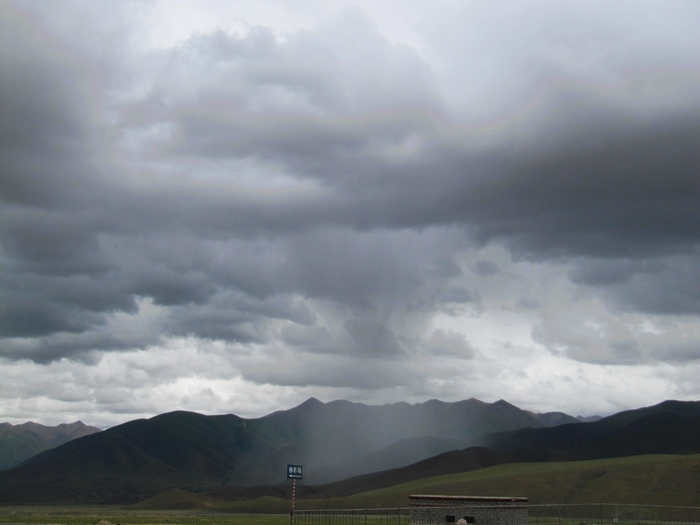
588 419
311 402
503 404
23 441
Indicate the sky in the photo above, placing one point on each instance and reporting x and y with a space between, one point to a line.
230 207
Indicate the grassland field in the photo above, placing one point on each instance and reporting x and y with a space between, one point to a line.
671 480
88 515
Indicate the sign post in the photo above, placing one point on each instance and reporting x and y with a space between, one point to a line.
293 473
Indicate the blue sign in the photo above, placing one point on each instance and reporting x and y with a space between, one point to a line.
293 471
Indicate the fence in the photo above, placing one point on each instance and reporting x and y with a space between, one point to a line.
395 516
610 514
584 514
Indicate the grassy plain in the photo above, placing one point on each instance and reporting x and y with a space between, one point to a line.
653 480
93 515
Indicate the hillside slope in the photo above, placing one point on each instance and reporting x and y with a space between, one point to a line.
212 453
340 439
581 435
182 449
650 479
655 433
20 442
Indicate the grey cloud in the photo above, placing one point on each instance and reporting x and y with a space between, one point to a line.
613 199
332 371
600 186
26 315
612 271
657 285
369 269
319 102
43 121
341 66
236 317
681 353
387 189
626 351
372 339
608 345
310 338
458 294
483 267
449 343
93 335
527 304
455 301
671 291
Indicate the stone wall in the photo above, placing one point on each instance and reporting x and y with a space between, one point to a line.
438 510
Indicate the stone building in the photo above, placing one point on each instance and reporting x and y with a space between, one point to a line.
477 510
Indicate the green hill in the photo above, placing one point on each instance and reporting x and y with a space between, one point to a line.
652 479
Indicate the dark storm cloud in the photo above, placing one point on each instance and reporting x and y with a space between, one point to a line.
667 287
43 124
79 346
610 183
384 192
236 317
629 195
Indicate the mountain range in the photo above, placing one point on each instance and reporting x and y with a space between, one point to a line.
344 448
20 442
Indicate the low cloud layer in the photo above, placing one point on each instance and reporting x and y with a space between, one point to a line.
359 206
